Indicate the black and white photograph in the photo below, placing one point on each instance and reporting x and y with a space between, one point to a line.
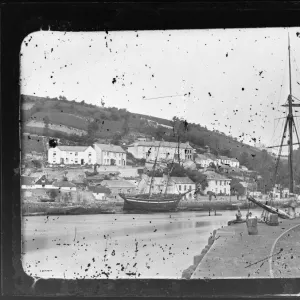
161 154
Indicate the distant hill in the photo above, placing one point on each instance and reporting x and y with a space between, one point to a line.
79 123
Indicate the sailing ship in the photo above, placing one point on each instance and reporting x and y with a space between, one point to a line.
154 202
268 207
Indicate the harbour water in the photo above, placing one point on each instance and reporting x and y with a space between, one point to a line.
157 245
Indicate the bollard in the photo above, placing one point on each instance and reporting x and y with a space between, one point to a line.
252 226
273 220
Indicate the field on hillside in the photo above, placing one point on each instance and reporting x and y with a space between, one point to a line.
31 144
61 118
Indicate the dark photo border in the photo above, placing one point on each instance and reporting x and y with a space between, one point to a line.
20 19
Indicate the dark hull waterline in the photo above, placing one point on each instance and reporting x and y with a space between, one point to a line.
153 204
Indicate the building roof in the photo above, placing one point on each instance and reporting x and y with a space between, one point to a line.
117 184
27 180
224 157
73 148
214 176
100 189
211 156
234 159
43 181
161 144
202 157
110 148
64 184
182 180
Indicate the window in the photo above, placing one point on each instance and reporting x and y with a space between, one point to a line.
54 153
216 182
76 153
179 187
190 188
90 154
185 187
76 161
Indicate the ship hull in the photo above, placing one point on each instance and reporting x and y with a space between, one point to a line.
159 204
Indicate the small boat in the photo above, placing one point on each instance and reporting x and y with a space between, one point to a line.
281 214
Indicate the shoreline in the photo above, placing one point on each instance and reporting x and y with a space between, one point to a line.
55 208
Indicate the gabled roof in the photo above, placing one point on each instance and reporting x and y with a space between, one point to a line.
224 157
99 189
43 181
202 157
110 148
73 148
161 144
214 176
117 184
234 159
182 180
27 180
64 184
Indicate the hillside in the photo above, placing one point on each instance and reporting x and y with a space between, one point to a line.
48 116
82 123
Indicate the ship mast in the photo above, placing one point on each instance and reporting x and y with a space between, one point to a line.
290 125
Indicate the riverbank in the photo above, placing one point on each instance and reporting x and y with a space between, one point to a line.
232 253
113 207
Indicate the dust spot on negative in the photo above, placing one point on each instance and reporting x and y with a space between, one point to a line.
52 143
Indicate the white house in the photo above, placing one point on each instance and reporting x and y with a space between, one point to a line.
65 185
72 155
217 183
44 183
223 160
244 168
203 160
149 150
234 163
100 192
110 155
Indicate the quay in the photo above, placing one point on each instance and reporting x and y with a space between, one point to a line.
274 252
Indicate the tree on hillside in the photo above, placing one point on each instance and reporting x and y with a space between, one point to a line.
93 127
236 187
225 152
177 171
160 133
63 98
116 139
46 128
197 177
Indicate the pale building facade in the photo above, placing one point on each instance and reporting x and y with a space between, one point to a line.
203 160
69 155
108 155
176 185
150 150
217 183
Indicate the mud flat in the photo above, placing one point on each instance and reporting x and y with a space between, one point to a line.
233 253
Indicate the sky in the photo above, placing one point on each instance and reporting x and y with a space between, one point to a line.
231 80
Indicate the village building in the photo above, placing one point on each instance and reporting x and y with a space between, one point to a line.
217 183
44 183
176 185
69 155
203 160
100 192
243 168
150 150
119 186
110 155
234 163
65 185
27 182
